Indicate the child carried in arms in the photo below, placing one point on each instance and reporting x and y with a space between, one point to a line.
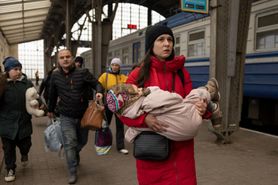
180 114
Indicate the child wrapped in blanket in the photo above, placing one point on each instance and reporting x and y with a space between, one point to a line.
180 114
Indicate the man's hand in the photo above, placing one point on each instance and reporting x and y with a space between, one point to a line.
153 124
50 115
99 96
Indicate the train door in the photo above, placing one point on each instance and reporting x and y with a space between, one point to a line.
136 52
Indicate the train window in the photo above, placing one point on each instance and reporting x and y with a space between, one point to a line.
177 51
268 20
109 57
267 39
196 36
267 31
177 45
177 41
136 52
125 55
196 44
117 53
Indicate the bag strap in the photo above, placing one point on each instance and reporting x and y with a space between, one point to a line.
106 83
173 82
181 75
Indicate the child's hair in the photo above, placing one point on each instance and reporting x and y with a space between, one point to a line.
128 88
121 96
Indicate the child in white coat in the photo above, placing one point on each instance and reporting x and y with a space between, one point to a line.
180 115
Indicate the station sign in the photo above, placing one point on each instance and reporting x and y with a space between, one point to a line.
198 6
132 26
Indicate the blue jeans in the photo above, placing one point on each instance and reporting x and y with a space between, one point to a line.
82 137
69 128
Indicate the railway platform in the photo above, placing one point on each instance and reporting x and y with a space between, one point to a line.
251 159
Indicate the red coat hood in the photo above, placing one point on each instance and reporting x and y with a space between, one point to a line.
168 66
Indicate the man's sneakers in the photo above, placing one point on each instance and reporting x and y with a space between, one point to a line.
24 160
10 176
123 151
213 88
72 178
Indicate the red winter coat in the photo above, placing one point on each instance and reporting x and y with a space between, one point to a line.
179 168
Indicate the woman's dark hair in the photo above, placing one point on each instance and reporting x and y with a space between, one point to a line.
144 73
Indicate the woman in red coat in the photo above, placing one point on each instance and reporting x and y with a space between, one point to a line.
162 68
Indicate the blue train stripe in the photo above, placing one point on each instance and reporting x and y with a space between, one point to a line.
260 78
262 55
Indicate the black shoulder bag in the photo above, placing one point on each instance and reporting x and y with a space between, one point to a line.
149 145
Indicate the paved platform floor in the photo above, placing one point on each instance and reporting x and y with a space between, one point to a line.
251 159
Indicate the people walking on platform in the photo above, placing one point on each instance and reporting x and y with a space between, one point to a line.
15 122
44 87
108 79
79 61
68 83
37 77
179 114
82 133
160 67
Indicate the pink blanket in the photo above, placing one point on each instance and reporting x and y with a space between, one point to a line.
170 108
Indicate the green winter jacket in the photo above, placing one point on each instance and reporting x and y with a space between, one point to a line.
14 119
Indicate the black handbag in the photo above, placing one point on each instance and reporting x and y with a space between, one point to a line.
149 145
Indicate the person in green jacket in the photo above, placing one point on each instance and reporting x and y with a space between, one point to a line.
109 79
15 122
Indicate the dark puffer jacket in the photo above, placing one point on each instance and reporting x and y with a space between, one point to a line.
14 118
71 88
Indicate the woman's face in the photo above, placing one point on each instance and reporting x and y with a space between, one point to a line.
15 73
115 67
163 46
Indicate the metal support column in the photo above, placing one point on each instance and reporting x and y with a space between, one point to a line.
97 37
47 60
68 23
229 29
149 16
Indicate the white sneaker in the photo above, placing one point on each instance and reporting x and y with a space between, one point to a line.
10 176
72 178
123 151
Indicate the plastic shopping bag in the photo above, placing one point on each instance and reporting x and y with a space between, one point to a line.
53 136
103 140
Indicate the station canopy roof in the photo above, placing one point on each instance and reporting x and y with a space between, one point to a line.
22 20
29 20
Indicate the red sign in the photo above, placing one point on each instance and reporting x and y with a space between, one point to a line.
131 26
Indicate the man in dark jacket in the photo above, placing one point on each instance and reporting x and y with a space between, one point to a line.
69 84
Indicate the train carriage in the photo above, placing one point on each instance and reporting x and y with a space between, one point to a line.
192 39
